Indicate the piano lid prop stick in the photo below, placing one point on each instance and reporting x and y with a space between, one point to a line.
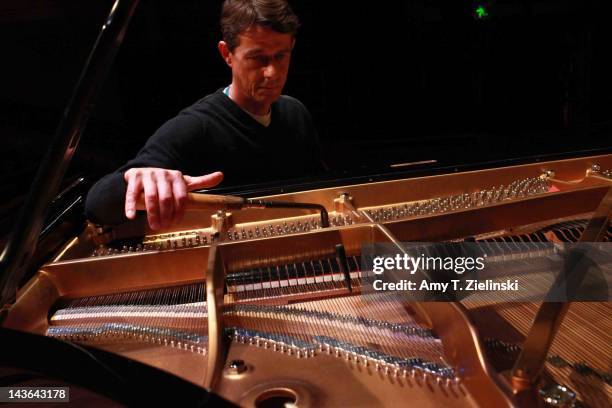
215 202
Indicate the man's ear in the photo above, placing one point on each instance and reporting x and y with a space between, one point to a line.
225 52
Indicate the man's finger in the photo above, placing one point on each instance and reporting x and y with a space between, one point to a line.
166 200
151 201
134 188
179 190
208 180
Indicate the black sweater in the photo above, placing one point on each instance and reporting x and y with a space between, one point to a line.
216 134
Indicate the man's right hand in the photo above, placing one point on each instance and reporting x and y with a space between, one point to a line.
164 192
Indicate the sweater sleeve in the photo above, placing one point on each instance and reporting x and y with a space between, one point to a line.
105 202
106 199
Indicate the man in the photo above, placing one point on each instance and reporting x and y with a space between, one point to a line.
246 131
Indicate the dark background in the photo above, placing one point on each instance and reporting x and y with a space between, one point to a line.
387 82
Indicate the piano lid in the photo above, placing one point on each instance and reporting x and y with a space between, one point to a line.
21 243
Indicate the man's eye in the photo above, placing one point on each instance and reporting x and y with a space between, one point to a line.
281 57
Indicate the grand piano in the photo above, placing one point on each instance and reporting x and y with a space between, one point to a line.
267 307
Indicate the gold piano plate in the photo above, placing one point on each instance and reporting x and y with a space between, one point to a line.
293 330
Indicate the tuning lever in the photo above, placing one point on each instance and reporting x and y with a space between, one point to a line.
215 202
212 202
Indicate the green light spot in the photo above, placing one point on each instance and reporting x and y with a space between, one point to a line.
481 12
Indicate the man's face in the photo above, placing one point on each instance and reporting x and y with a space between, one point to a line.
259 65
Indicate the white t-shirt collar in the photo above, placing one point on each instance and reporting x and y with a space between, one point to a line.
264 120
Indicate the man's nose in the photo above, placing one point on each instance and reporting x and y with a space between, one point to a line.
270 70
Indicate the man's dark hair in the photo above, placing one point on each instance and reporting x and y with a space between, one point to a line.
239 15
